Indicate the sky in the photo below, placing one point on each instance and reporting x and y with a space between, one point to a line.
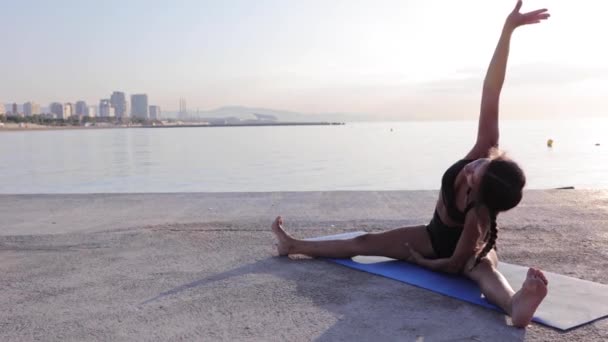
391 59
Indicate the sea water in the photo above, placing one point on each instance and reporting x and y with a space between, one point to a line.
355 156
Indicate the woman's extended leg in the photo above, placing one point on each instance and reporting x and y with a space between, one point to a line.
389 244
520 305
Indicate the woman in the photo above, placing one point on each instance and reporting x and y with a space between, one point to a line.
461 236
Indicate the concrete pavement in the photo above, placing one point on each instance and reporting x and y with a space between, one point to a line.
202 266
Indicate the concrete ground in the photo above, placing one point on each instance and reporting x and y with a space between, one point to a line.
202 266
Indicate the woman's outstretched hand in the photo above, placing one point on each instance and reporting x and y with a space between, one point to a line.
414 256
516 19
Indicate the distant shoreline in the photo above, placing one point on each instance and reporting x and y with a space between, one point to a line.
251 124
34 127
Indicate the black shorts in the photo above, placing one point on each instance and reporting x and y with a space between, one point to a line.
443 238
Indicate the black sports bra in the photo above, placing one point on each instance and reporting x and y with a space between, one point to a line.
448 194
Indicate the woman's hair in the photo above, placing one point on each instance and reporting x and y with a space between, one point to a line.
500 190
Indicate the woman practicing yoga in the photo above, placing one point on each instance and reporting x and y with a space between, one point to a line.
461 236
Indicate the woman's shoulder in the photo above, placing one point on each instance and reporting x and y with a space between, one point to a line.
482 151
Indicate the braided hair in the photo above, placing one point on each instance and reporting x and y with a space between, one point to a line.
500 190
490 239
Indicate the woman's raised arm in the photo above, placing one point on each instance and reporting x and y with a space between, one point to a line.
488 132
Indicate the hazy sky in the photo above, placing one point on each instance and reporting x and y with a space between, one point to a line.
401 58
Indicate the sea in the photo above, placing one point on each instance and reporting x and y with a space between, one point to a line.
408 155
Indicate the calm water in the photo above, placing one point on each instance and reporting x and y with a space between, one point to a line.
358 156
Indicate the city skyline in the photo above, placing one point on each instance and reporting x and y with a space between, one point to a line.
395 59
115 106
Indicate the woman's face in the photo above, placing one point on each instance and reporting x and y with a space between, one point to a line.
475 170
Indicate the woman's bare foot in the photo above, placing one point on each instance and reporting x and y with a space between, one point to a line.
284 240
528 298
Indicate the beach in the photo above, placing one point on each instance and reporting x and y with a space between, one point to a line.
202 266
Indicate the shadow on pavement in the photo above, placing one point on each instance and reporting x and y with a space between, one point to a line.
369 307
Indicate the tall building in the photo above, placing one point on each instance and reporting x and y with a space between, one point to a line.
155 112
119 102
56 109
105 109
183 110
92 111
139 106
68 110
81 109
15 110
31 108
2 110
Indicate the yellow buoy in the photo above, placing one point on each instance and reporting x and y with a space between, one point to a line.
550 143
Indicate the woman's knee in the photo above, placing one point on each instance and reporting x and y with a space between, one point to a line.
365 244
362 240
486 264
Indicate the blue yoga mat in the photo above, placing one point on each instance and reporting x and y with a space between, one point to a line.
570 302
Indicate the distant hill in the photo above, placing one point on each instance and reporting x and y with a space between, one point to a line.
248 113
